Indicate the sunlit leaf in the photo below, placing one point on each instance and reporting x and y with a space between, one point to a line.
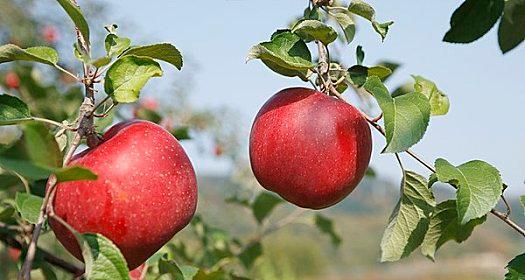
28 206
165 52
479 187
126 77
13 110
310 30
406 117
77 17
44 55
409 220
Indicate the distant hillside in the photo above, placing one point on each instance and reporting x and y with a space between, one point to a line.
300 252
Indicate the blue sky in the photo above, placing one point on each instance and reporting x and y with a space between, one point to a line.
485 88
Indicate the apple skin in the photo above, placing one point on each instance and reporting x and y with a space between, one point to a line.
309 148
146 192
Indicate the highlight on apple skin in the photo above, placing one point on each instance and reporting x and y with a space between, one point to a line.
146 192
310 148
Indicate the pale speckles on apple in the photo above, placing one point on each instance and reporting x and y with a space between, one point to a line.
145 193
309 148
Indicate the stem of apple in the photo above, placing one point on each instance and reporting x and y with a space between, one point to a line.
85 129
373 122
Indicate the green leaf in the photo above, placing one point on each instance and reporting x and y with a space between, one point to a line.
102 258
326 226
74 12
25 168
74 173
379 71
44 55
439 103
28 206
473 19
522 201
444 226
41 146
250 254
393 66
116 45
99 62
34 171
406 117
358 74
165 52
310 30
345 21
170 267
13 110
359 55
6 213
238 200
126 77
263 205
511 30
181 133
479 187
286 54
409 220
366 11
516 268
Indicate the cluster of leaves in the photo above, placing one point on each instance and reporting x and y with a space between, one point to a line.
475 18
418 220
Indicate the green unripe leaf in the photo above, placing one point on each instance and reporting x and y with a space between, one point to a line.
74 12
128 75
439 102
28 206
116 45
409 220
445 226
511 30
250 254
102 61
165 52
379 71
286 54
406 117
479 187
102 258
263 205
359 55
34 171
345 21
326 226
45 55
41 146
473 19
516 268
366 11
13 110
310 30
170 267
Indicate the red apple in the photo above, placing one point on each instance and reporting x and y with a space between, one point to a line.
137 273
12 80
14 253
309 148
146 192
50 34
